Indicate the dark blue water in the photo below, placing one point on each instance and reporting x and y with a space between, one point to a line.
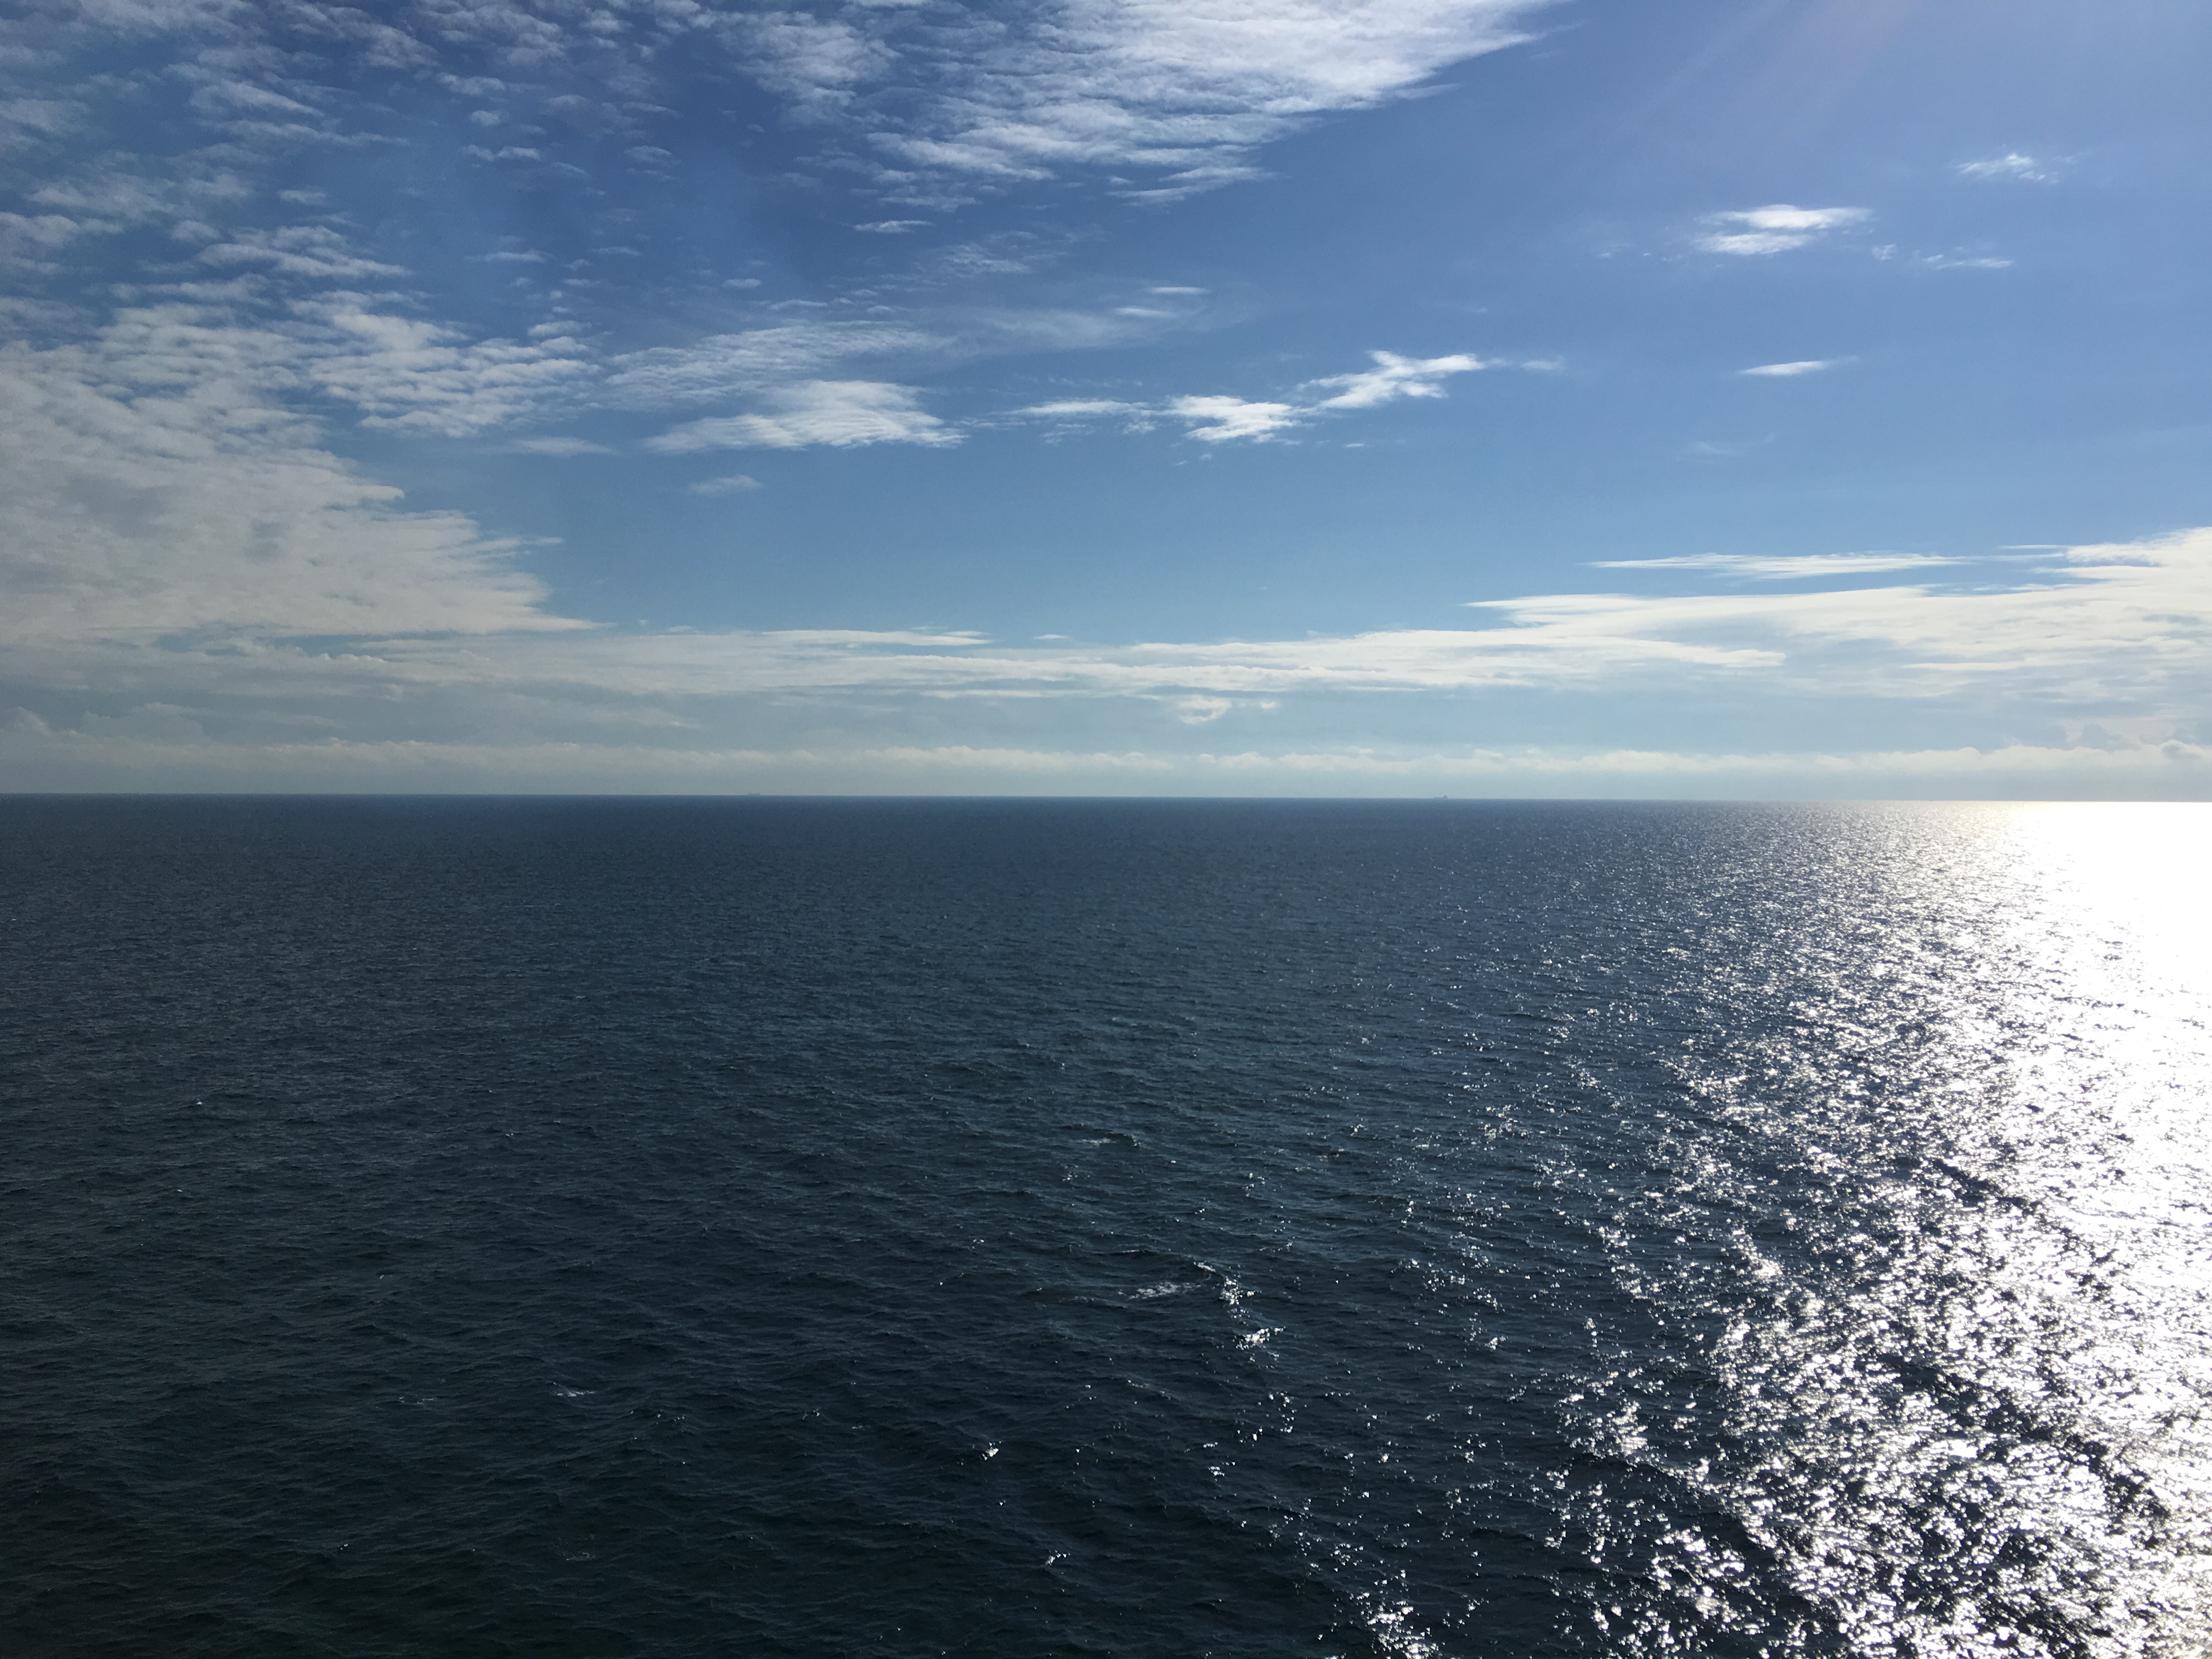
764 1228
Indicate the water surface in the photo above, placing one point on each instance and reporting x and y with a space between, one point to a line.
760 1228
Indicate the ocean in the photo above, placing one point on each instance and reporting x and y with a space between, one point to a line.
763 1227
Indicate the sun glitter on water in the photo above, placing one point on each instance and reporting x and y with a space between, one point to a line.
1980 1419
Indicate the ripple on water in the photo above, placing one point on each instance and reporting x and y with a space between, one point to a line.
1146 1228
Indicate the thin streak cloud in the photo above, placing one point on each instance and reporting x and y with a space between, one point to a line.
1781 566
1220 418
840 414
1792 370
1757 232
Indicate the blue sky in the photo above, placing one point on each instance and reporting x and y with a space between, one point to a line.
1771 398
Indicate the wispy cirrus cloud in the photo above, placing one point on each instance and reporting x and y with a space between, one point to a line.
567 447
403 374
297 250
1392 377
1183 92
739 364
819 63
2115 620
1754 232
1220 418
1226 420
409 375
2012 165
1178 93
29 240
1782 566
1081 409
1790 371
838 414
734 483
947 97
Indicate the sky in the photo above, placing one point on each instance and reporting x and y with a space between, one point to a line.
1733 398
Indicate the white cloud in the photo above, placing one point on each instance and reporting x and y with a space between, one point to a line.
25 122
2011 165
173 542
1775 229
1776 567
1180 88
297 250
816 62
165 495
839 413
2112 621
2117 621
1393 377
1224 419
225 93
734 483
558 447
1181 91
730 365
117 190
1790 371
1081 408
413 376
28 239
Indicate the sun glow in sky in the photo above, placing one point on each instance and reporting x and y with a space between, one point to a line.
1741 396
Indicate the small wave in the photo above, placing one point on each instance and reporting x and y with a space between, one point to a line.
1168 1287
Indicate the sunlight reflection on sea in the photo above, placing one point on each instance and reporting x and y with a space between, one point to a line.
1972 1410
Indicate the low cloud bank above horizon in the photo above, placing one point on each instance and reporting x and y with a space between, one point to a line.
2124 630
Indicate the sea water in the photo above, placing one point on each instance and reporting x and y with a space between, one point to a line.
781 1228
